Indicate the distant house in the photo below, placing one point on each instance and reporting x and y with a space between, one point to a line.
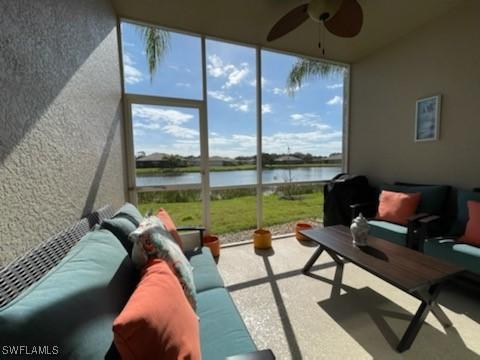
288 159
152 160
334 159
215 161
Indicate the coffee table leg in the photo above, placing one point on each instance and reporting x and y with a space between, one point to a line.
428 304
312 260
335 257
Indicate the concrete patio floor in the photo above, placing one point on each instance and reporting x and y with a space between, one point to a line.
319 317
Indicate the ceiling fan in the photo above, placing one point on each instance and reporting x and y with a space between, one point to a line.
341 17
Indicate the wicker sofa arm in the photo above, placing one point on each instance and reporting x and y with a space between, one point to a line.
255 355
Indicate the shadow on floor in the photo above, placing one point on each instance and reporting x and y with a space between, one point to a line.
282 311
273 279
366 315
462 298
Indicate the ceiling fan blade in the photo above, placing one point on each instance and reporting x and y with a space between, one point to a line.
348 20
289 22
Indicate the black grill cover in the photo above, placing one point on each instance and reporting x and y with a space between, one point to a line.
341 192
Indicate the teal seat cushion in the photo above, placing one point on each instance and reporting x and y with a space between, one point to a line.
464 255
222 331
205 273
388 231
73 306
432 200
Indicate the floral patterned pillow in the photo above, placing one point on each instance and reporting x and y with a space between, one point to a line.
152 240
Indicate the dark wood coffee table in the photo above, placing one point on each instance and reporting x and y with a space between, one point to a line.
411 271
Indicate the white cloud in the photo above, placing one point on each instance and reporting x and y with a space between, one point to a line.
316 142
237 75
180 131
336 100
279 91
131 74
172 122
335 86
236 104
182 84
158 114
242 105
308 120
147 126
234 74
215 66
220 95
266 109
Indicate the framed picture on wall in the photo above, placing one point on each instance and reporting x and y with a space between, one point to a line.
427 118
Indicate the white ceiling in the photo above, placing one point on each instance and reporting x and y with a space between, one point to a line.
249 21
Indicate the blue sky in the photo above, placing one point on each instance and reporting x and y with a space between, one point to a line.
311 121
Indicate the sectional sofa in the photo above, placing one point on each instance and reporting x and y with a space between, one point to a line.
62 297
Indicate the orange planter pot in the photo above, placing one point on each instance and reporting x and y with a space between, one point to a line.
299 227
213 243
262 239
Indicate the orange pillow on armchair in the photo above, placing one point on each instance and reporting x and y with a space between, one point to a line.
397 207
472 231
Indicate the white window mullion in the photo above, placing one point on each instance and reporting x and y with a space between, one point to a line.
258 56
204 143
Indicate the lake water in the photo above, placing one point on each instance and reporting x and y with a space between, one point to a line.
242 177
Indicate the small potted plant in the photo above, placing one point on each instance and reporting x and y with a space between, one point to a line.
262 239
213 243
299 227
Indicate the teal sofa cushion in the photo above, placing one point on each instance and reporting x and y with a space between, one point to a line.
73 306
131 212
432 200
222 331
205 273
388 231
121 227
122 223
463 255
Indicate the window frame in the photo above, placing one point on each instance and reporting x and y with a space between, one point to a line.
202 106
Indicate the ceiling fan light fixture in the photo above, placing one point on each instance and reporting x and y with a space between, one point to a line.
322 10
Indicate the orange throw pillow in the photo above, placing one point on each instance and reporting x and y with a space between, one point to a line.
472 231
165 218
157 322
397 207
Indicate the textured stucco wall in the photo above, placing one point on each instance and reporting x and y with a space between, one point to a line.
442 57
61 151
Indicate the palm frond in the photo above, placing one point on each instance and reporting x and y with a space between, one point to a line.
156 45
305 69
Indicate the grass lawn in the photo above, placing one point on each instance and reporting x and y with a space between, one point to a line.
190 169
239 213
